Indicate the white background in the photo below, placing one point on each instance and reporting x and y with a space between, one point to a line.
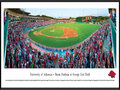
95 74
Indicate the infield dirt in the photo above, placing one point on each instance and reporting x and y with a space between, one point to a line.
68 32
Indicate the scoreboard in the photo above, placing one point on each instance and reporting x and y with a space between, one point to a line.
88 18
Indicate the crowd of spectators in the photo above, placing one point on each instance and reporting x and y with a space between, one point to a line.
19 53
113 16
89 54
38 23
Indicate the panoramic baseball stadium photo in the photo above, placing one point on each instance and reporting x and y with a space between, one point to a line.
60 38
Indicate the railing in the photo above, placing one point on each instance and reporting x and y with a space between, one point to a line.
113 30
5 36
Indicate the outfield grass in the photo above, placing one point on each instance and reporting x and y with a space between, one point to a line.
84 31
57 33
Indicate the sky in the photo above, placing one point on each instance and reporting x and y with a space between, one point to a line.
68 12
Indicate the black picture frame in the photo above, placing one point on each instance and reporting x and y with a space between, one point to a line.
61 1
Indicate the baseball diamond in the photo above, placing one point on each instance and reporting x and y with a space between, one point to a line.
73 33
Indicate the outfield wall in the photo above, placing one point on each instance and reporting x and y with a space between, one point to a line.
91 22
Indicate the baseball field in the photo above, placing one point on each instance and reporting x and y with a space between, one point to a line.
62 35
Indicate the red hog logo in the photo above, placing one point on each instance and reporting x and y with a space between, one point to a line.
112 74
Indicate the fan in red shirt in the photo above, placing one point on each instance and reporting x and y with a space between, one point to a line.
56 57
66 54
109 53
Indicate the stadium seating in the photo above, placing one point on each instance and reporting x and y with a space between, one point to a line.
89 54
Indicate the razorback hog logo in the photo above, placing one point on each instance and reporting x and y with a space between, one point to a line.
112 74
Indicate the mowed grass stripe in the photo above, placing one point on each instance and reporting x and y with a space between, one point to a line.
84 31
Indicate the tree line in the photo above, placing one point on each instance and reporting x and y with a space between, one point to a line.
94 18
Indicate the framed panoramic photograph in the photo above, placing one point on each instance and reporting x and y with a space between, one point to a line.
60 44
